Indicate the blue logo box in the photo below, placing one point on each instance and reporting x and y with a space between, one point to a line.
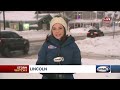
103 68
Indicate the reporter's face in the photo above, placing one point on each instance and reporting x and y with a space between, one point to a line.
58 31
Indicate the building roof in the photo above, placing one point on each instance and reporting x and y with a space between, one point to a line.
86 21
18 16
45 14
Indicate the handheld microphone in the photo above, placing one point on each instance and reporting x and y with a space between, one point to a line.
58 59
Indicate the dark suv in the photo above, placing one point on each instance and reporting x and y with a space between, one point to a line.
11 41
94 33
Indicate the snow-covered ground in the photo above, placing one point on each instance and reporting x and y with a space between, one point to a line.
31 34
41 34
101 45
105 45
83 31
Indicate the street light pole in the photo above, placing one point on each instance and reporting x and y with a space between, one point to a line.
37 19
114 24
0 20
113 29
4 19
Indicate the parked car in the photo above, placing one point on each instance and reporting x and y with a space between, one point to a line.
94 33
11 41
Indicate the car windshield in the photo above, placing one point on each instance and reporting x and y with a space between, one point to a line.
93 30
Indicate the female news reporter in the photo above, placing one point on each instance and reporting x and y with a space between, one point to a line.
59 44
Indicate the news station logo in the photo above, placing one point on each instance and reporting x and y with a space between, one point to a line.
103 68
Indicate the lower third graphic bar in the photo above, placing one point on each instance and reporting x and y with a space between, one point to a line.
115 68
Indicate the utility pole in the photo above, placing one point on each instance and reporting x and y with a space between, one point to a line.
4 19
0 20
37 19
114 24
96 15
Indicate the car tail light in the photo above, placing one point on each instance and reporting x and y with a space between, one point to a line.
88 33
0 41
95 33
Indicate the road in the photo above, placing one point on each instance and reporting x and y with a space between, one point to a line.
111 33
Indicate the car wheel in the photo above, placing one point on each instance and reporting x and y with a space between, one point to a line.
102 34
6 52
26 49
